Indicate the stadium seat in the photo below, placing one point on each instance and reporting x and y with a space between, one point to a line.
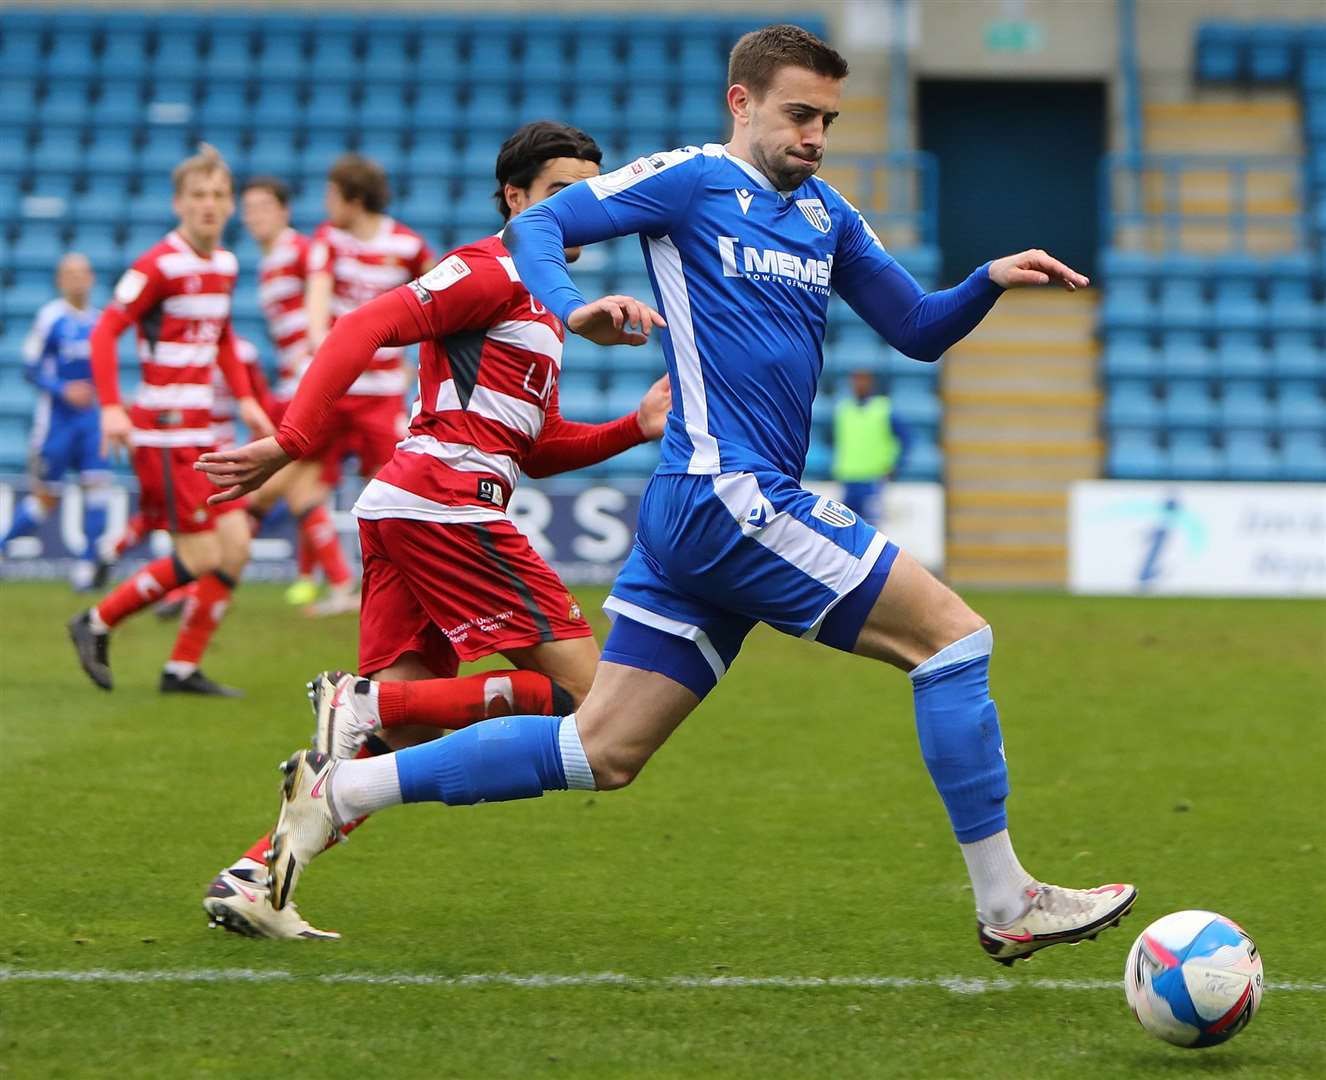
279 105
333 58
1303 455
1184 355
1244 406
384 147
384 108
67 103
1295 356
1127 305
102 204
124 54
1135 455
545 61
272 151
229 58
1240 354
924 460
1221 52
21 54
58 151
492 59
331 107
648 61
149 210
98 243
1182 305
1271 53
1237 306
24 298
226 105
1128 355
120 106
1299 406
1192 456
387 61
598 62
1249 455
439 59
282 60
492 109
1292 306
163 150
702 62
1189 405
18 101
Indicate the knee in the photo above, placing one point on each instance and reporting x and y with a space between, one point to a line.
614 770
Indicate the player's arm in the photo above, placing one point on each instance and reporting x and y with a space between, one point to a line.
387 321
38 354
925 325
136 293
318 286
648 196
564 445
236 374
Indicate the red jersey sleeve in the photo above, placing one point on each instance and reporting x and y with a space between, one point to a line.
232 367
317 257
465 291
138 291
564 445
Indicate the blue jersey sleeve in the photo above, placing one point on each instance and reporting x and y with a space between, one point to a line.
40 364
647 196
918 324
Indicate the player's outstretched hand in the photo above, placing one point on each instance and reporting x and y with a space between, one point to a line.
654 408
116 431
608 321
1035 267
243 469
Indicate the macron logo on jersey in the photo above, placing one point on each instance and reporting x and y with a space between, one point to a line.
769 265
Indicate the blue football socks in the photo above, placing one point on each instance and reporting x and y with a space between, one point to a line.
509 757
27 518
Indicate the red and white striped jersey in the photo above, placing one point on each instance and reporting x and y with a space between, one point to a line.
282 276
224 406
488 369
363 270
180 301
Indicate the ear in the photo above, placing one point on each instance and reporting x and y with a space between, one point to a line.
739 103
516 198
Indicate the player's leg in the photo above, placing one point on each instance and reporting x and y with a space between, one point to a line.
50 455
206 605
921 626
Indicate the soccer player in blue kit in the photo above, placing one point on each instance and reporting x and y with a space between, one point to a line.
743 244
66 427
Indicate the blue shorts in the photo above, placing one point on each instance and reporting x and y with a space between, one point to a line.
714 555
72 444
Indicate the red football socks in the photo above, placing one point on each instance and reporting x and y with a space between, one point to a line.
457 703
132 535
146 587
204 609
317 532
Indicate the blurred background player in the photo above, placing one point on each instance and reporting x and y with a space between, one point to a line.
282 281
869 444
178 295
358 254
447 577
66 431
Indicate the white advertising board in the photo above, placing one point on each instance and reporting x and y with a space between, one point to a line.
1176 539
913 518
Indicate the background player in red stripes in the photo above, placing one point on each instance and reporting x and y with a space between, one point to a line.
178 295
447 576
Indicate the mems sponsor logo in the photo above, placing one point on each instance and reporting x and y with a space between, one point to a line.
771 265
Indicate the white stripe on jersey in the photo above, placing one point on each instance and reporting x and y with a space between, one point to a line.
522 416
178 264
179 354
535 337
378 278
197 305
291 322
172 437
507 263
274 290
462 457
379 383
810 551
175 396
671 279
615 605
382 500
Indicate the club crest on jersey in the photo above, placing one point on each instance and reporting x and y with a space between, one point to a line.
813 211
130 286
445 274
833 513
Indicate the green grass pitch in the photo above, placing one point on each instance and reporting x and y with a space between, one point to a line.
788 832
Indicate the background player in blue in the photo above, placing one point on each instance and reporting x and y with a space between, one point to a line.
743 245
66 429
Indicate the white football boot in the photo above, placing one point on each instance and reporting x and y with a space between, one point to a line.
336 602
346 712
243 907
307 823
1057 916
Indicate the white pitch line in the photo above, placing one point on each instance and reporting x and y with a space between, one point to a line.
953 984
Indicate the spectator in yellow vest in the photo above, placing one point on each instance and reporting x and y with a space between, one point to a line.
869 443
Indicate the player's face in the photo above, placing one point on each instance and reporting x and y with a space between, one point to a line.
341 212
264 216
74 279
787 129
204 204
556 174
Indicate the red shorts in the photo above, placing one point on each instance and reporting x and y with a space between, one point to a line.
172 495
362 426
454 593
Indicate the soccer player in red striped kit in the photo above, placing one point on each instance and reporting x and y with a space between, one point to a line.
447 577
178 295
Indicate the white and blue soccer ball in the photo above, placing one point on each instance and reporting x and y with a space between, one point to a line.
1194 978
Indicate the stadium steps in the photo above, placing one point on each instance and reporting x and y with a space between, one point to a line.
1020 425
1266 124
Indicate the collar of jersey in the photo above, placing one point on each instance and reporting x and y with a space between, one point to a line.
755 174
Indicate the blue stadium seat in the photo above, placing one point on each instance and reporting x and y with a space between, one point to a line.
1117 264
1240 354
149 210
1128 354
434 155
384 108
140 237
273 152
1295 356
1127 304
915 404
1184 355
282 60
278 105
1299 406
1237 306
230 58
583 402
1189 405
1271 53
99 244
21 54
1245 406
330 107
594 111
1249 455
492 59
1192 456
702 62
58 151
49 199
333 58
170 103
598 62
647 60
1292 306
226 105
924 460
384 147
124 54
308 209
701 113
101 205
545 61
1304 455
71 53
1135 455
119 106
67 103
439 59
38 246
387 61
163 150
1221 52
491 108
1182 305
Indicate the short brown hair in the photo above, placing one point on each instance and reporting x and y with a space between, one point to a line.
525 153
277 188
208 160
362 180
757 57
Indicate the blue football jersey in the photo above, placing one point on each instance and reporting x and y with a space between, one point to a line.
57 350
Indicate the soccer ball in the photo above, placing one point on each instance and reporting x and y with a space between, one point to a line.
1193 978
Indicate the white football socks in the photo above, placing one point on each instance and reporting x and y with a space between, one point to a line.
997 878
579 776
364 786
